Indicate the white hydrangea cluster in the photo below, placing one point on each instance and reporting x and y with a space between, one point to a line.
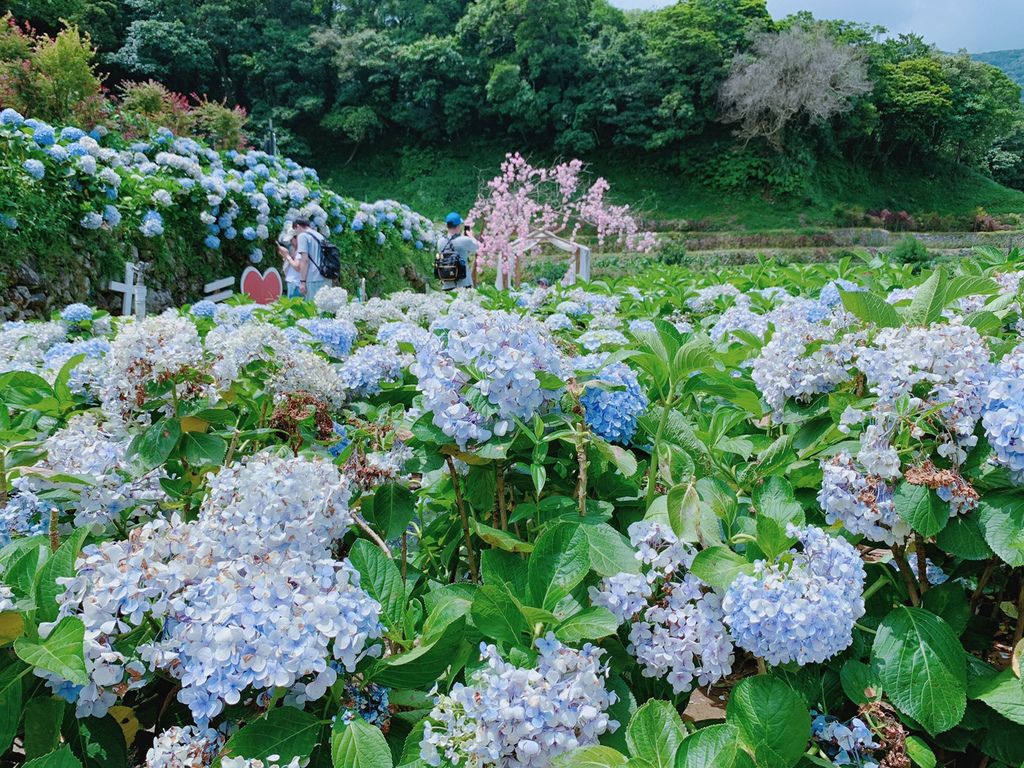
516 717
677 631
184 747
943 363
785 369
23 346
109 485
506 354
150 351
707 297
295 368
862 503
330 300
239 612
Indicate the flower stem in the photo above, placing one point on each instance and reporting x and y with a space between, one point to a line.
470 556
908 576
581 481
922 563
652 474
365 528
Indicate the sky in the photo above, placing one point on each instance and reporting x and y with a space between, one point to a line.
977 25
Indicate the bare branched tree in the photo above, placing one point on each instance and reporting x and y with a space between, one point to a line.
793 73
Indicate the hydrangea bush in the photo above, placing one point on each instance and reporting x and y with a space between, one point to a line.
678 519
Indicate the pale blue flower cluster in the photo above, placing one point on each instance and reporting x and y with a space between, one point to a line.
204 308
862 503
485 372
800 608
87 375
829 295
184 747
24 514
76 313
1003 416
596 338
221 195
370 366
239 612
612 398
335 336
677 631
519 717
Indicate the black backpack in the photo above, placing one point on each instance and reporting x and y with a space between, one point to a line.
448 266
330 260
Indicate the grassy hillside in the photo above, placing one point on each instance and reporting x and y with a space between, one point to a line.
436 181
1011 62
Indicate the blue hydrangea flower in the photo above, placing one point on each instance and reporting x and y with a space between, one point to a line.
8 221
829 295
111 216
152 224
212 242
204 308
335 336
76 313
91 220
1003 415
70 133
802 607
43 136
11 117
34 168
611 412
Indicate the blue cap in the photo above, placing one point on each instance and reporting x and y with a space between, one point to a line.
453 219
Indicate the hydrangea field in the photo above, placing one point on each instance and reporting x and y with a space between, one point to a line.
764 516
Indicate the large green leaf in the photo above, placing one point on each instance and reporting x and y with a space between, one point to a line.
498 538
1002 692
594 756
43 716
923 667
963 536
610 552
359 745
154 446
560 561
772 720
871 308
499 567
1002 521
921 507
393 509
60 565
718 566
926 306
202 449
286 732
60 653
381 579
10 704
654 733
497 616
589 624
716 746
424 663
62 758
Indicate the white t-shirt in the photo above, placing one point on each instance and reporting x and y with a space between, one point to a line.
309 243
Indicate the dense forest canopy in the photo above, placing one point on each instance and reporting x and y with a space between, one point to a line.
578 76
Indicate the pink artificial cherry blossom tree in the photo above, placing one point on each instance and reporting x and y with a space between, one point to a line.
523 199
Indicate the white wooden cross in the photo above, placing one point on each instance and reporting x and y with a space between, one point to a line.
132 292
219 290
362 290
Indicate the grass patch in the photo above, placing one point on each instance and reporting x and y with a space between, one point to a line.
437 180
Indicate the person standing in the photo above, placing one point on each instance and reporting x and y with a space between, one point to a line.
309 249
458 244
290 262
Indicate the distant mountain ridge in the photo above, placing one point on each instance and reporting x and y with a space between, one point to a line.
1011 62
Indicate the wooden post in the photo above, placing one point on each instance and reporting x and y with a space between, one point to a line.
218 290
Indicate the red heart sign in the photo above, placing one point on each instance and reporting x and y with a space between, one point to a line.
262 287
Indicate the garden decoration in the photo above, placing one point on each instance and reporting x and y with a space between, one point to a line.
262 287
219 290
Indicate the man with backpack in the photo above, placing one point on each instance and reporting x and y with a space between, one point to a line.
451 265
320 261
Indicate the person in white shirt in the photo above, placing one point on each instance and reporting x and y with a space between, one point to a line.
309 249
